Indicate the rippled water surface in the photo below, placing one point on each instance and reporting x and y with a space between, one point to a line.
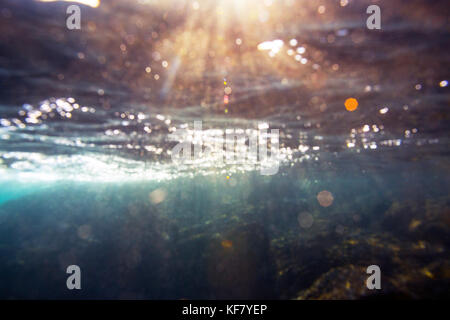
89 119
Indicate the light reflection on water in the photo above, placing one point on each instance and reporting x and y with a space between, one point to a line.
135 145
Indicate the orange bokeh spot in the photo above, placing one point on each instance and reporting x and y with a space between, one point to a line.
351 104
325 198
227 244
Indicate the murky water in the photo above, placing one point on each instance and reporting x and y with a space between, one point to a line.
87 125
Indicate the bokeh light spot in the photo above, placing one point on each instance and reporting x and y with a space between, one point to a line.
158 196
227 244
84 232
305 220
228 90
325 198
351 104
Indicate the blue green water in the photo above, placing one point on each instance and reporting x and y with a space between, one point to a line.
87 177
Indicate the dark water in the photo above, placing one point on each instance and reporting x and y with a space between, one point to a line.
87 179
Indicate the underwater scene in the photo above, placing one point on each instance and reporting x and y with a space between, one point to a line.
224 149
